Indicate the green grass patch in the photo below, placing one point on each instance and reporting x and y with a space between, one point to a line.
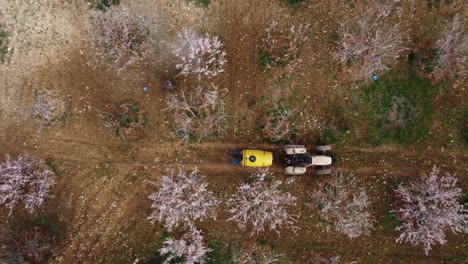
464 130
103 5
293 3
53 166
266 61
201 3
438 3
4 41
389 218
399 110
221 253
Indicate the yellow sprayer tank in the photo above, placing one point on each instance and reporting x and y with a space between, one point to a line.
256 158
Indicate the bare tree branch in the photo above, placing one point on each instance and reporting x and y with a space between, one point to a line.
197 113
452 50
344 205
370 42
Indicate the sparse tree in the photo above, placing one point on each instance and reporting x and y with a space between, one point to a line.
182 199
46 108
42 111
25 181
27 246
262 205
429 207
452 50
119 38
279 125
190 247
199 55
343 204
197 113
280 48
370 42
258 255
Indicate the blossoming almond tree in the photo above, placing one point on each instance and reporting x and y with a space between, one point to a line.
344 205
190 247
429 207
182 199
119 39
199 55
262 205
24 181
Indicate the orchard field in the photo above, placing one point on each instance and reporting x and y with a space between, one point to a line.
102 160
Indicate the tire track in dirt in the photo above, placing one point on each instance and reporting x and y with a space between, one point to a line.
383 161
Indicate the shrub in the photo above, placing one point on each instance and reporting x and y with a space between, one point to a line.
128 120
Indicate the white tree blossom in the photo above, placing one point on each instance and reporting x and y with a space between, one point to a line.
119 39
452 50
279 125
182 199
190 247
370 41
199 55
197 113
24 181
430 206
344 205
261 204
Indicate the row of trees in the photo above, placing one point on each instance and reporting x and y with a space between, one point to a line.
370 40
429 205
373 41
368 43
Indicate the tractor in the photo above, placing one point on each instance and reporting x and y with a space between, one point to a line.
296 159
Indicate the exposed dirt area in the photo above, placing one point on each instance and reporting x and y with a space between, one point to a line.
100 196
